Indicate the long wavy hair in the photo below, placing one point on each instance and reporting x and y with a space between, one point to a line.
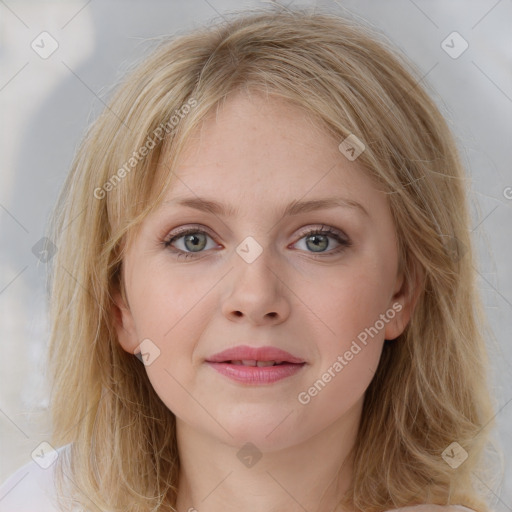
431 387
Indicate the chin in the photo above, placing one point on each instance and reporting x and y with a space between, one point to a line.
268 428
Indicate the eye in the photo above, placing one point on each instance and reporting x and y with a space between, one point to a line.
319 240
189 241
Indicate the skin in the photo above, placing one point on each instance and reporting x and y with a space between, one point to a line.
258 155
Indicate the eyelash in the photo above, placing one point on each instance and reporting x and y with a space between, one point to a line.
344 242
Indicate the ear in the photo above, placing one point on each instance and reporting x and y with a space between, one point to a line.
124 323
403 302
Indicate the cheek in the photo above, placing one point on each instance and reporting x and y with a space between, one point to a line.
349 350
347 302
171 310
339 390
166 301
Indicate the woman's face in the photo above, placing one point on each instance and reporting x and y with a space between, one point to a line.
261 180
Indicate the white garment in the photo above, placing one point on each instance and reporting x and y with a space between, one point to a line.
31 489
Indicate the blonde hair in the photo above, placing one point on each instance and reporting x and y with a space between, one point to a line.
431 386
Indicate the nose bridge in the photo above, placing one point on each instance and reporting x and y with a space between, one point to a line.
256 290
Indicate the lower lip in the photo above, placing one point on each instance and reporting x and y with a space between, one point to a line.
257 375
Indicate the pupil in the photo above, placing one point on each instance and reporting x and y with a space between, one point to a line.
317 242
197 243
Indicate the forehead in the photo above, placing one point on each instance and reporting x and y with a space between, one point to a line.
258 151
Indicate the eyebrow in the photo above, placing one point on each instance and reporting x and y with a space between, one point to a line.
294 208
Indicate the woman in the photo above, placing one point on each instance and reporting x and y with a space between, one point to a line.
265 300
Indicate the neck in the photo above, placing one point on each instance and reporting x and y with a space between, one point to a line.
312 475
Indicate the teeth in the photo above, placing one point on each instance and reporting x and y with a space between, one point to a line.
265 363
253 362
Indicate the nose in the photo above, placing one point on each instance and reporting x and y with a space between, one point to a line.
258 292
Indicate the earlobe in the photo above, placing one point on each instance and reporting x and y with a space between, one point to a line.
123 323
404 302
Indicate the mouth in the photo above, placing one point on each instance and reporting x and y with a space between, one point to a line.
256 366
254 356
253 362
257 372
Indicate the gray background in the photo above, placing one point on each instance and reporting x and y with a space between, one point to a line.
45 105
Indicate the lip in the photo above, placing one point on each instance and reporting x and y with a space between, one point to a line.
242 352
255 375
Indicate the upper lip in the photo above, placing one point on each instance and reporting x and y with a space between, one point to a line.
244 352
